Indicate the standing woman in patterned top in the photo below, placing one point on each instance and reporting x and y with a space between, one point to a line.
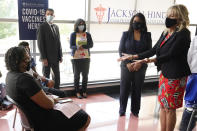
171 59
80 43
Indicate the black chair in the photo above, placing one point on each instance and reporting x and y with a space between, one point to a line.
26 122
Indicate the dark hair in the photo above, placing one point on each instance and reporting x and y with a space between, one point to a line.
143 21
77 23
50 9
23 44
13 58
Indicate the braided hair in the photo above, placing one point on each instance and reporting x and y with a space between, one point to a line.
13 58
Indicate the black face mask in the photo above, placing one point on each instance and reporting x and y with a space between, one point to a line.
137 25
170 22
28 66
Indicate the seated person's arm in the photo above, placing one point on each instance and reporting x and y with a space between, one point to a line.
49 83
43 100
35 74
34 69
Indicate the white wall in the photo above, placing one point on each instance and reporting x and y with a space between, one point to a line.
191 6
106 32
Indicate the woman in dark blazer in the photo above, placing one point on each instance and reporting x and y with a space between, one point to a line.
171 59
133 41
80 43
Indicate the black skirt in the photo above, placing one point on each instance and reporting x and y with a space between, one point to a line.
55 120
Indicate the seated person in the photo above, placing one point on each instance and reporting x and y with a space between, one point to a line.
47 84
191 88
27 92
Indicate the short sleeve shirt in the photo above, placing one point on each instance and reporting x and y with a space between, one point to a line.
21 87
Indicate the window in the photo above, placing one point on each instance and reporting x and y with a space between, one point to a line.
8 9
106 36
68 9
8 35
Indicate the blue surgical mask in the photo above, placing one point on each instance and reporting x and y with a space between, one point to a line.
49 18
81 27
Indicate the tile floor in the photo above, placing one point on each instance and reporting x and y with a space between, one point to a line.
103 110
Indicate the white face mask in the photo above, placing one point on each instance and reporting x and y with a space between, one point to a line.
81 27
49 18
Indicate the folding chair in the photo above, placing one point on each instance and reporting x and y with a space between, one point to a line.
25 121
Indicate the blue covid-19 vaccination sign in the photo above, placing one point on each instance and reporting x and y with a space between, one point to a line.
31 13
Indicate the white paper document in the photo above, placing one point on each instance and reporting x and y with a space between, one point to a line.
69 108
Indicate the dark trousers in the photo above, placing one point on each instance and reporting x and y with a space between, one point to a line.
55 75
54 91
80 66
131 83
185 121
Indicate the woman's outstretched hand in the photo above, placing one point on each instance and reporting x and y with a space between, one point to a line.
126 57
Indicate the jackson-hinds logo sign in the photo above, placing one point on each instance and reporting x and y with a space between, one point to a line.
100 12
124 15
